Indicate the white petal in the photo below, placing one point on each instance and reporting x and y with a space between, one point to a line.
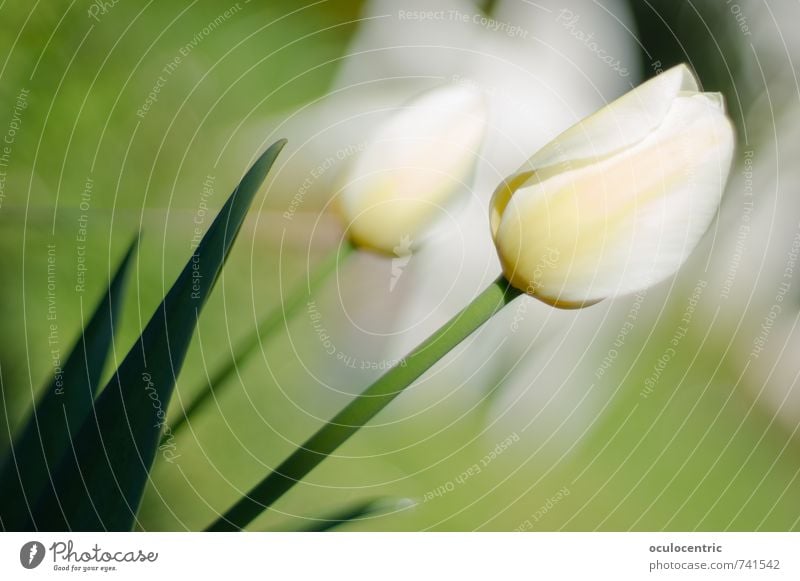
614 128
619 225
620 124
412 166
412 40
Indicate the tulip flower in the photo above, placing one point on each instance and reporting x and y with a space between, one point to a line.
617 202
612 205
411 167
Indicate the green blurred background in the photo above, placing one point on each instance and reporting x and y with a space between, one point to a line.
707 441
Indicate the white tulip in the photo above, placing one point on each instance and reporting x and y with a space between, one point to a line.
411 167
617 202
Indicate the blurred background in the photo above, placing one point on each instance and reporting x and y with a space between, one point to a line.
676 409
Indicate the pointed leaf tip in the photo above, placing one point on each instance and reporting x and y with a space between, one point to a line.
100 484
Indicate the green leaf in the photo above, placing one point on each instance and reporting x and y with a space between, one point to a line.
61 410
100 487
270 323
365 406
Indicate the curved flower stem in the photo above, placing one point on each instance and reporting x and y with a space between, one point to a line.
266 326
365 406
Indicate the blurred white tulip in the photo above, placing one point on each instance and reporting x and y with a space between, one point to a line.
411 167
535 87
617 202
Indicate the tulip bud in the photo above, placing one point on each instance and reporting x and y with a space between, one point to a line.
411 167
617 202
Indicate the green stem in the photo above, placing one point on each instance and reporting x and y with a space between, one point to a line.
365 406
266 326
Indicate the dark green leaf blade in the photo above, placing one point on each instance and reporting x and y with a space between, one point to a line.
270 323
61 410
359 511
100 486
